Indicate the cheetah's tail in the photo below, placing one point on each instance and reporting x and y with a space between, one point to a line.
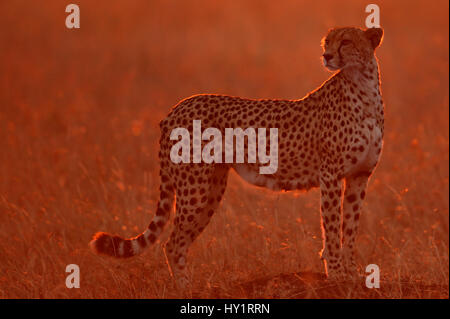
116 246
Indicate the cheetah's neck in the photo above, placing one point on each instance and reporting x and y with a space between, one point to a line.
367 78
366 84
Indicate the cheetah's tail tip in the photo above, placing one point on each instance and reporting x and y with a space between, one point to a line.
103 244
116 246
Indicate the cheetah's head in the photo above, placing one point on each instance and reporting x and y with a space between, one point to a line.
350 47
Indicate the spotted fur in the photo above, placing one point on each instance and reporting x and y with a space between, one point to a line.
331 138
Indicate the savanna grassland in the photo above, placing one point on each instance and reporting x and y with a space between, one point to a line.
79 114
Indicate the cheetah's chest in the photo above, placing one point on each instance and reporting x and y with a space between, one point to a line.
375 145
371 142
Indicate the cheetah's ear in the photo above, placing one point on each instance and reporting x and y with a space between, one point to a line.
374 35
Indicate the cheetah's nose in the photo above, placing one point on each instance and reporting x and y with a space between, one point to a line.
327 56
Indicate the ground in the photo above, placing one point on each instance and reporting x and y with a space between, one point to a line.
79 137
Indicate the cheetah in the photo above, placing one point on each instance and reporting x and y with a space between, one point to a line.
332 139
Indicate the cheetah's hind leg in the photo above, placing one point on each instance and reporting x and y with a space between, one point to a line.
196 202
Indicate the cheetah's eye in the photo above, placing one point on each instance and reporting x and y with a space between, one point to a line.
346 42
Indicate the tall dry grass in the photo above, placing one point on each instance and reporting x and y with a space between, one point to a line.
79 113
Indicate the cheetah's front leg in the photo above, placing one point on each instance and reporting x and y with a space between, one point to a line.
355 191
330 200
